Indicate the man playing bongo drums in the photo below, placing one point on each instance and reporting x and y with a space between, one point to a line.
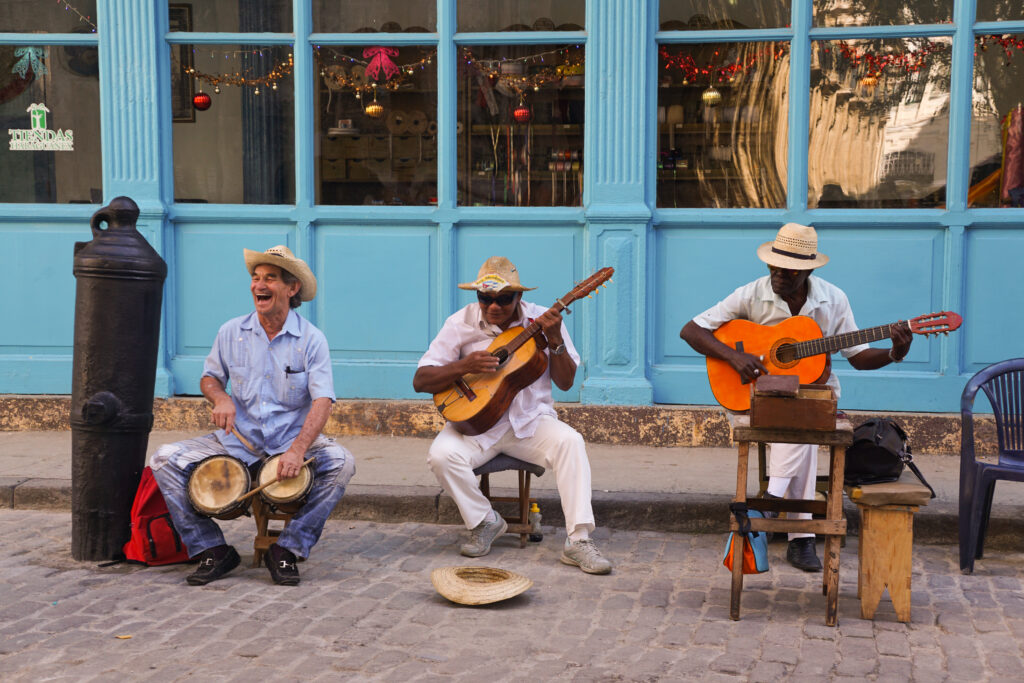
282 389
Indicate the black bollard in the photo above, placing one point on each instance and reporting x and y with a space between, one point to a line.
117 330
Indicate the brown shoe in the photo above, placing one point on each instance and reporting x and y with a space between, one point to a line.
283 565
213 564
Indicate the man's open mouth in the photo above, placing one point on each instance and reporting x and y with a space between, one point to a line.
263 297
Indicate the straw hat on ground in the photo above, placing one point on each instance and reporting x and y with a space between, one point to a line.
478 585
795 246
282 257
496 274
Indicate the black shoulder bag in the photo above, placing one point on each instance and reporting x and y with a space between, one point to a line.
878 454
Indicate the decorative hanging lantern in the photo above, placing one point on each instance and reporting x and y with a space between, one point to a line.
374 109
521 113
711 97
869 82
201 101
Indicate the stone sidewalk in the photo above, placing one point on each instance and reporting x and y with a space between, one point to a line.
366 610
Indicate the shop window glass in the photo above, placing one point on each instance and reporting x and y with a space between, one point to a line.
520 125
879 123
704 15
881 12
521 15
234 124
722 137
50 117
1000 10
376 125
371 16
997 122
33 16
229 16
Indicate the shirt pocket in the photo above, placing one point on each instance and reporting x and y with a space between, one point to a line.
238 377
297 389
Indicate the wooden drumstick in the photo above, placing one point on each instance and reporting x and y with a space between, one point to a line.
245 442
263 486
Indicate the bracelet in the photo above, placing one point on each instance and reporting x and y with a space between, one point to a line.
893 358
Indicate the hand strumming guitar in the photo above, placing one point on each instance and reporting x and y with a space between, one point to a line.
747 365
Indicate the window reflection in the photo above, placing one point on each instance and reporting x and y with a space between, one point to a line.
881 12
520 126
369 16
237 147
270 16
879 123
1000 10
702 15
74 16
377 125
521 15
997 122
722 135
50 122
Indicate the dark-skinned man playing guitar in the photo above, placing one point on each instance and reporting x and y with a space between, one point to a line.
789 289
528 430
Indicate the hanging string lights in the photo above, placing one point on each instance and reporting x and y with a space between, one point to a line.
83 18
243 76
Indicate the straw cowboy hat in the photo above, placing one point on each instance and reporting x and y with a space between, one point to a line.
478 585
282 257
497 273
795 246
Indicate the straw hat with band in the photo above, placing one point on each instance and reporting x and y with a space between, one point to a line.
282 257
795 247
478 585
496 274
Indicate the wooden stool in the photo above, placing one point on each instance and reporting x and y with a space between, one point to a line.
833 526
263 512
501 463
887 541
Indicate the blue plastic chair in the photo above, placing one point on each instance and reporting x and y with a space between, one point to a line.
1003 384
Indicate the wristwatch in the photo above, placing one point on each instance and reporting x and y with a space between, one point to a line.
558 350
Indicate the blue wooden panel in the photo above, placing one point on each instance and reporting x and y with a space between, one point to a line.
994 289
549 258
376 291
211 286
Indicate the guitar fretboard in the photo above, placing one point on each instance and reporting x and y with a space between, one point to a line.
815 347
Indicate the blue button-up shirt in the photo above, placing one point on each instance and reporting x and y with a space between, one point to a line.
273 383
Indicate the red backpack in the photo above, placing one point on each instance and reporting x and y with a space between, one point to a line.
154 540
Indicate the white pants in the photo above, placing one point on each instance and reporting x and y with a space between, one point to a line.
555 446
799 462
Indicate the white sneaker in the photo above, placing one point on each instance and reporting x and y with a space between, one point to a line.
585 555
483 535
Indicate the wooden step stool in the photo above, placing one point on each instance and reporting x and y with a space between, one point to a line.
263 513
886 541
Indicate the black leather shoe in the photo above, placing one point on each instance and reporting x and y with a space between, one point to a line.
283 565
801 554
213 564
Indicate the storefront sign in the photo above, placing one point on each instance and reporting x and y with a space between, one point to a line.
39 138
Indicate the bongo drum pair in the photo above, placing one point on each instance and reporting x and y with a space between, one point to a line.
217 483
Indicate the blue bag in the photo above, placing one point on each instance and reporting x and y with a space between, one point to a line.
755 545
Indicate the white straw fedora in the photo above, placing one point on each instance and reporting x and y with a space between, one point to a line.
282 257
478 585
497 273
795 246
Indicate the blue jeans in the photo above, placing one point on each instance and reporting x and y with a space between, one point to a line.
173 464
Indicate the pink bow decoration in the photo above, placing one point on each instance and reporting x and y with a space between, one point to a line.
380 60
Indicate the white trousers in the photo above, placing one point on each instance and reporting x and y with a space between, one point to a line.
555 446
798 462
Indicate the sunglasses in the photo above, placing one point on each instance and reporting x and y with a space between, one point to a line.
501 299
785 271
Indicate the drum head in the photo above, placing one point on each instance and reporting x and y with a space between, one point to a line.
287 490
216 483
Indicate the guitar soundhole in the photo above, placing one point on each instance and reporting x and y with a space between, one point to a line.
501 354
783 353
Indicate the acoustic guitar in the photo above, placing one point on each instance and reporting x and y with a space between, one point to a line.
475 402
796 346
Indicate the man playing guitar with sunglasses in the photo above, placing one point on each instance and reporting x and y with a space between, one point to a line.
529 430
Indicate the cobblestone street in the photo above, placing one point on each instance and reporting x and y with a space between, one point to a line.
366 610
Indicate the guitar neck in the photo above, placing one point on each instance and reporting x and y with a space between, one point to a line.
530 331
815 347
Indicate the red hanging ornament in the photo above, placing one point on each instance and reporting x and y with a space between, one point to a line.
201 101
521 113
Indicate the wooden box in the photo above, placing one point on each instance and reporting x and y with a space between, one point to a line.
813 407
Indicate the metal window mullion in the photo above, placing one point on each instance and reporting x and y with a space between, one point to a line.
447 115
16 39
521 38
961 88
866 32
723 36
366 39
227 38
304 93
799 107
999 27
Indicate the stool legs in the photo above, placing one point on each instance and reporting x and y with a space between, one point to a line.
737 538
521 525
262 513
886 553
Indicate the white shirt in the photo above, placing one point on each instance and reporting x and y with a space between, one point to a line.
826 304
466 331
